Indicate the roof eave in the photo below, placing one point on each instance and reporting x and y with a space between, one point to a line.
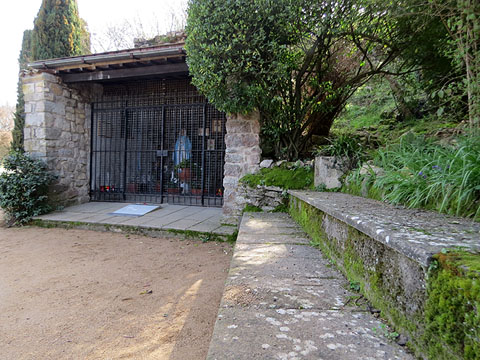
107 57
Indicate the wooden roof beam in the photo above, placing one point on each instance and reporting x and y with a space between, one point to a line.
125 73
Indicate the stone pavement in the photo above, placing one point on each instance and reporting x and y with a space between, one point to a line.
167 217
282 300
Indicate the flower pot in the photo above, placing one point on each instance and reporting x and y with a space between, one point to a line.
197 191
184 174
132 188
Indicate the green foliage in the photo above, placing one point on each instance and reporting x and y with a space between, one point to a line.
424 173
461 18
452 310
289 179
251 208
383 330
231 43
19 116
367 108
24 187
58 31
354 285
283 208
346 147
445 49
297 61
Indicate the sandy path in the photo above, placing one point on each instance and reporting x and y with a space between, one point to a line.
74 294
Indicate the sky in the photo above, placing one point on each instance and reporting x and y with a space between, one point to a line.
17 16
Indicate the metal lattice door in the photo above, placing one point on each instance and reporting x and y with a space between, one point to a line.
157 148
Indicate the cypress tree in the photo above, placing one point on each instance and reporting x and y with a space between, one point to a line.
59 31
19 116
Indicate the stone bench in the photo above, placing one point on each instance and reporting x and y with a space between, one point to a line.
419 268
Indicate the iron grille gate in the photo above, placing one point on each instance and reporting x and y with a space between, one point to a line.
157 148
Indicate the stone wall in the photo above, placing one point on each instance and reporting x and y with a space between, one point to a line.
328 171
267 198
242 156
57 131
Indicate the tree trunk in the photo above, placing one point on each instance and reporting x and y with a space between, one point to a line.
399 95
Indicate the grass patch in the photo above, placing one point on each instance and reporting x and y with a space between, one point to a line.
251 208
422 173
283 208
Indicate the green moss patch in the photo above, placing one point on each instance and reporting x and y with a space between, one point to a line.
289 179
453 307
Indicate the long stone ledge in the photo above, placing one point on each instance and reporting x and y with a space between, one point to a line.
416 233
420 269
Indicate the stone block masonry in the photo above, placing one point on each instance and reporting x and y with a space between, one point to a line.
242 156
57 131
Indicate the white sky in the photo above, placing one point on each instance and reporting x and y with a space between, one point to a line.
18 15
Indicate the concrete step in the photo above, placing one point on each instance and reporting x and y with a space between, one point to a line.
283 300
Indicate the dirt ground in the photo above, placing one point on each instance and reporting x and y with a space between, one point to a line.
74 294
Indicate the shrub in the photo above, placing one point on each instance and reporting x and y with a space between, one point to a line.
343 146
24 187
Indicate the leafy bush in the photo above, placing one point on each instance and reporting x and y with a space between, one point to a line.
343 146
24 187
424 173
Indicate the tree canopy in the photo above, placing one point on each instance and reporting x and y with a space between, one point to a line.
59 31
297 61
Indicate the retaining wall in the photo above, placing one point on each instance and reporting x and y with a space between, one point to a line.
420 269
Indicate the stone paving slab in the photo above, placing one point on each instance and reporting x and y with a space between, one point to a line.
263 252
275 239
284 301
288 334
168 217
281 293
256 224
284 268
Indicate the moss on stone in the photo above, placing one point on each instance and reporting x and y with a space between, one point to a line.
345 255
446 324
453 307
290 179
